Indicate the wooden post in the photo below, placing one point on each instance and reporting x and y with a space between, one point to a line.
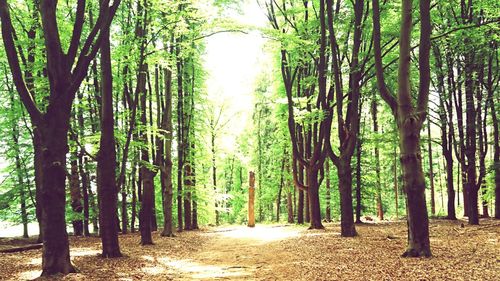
251 200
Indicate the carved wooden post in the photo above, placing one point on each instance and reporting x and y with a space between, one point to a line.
251 200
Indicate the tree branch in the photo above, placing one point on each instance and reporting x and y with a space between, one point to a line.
77 32
10 49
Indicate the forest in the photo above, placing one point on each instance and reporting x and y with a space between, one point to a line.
357 140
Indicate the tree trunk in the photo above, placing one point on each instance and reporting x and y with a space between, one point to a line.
180 138
166 174
313 199
106 161
345 188
289 204
307 207
147 176
470 148
431 170
409 118
359 205
449 186
251 200
496 153
124 210
133 188
37 163
414 186
187 196
55 256
409 126
300 204
328 210
194 200
396 179
380 210
145 218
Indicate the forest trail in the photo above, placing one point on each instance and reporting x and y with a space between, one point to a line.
238 253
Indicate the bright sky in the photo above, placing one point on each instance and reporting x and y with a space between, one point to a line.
233 61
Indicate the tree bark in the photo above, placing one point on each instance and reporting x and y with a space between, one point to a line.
106 161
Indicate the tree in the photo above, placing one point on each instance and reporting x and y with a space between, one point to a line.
66 70
409 118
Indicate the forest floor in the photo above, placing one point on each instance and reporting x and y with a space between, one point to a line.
282 252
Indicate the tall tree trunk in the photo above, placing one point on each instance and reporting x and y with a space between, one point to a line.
496 158
359 206
180 130
496 134
396 179
194 221
328 211
166 173
431 169
470 147
446 116
380 210
147 176
187 197
348 124
133 188
482 137
106 160
214 180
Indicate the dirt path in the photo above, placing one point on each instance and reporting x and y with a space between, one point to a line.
238 253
